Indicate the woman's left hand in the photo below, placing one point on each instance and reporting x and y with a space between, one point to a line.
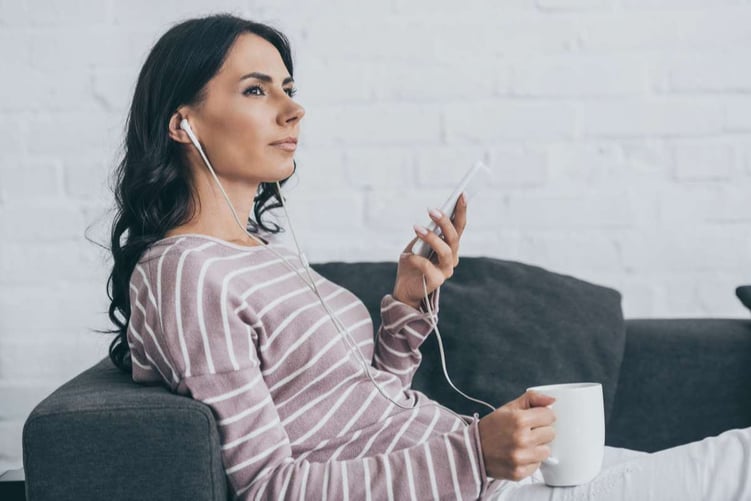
409 288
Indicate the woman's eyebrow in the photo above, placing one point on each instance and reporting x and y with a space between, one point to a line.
265 78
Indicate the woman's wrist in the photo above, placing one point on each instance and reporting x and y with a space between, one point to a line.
413 304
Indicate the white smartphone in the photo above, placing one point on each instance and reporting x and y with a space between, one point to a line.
472 182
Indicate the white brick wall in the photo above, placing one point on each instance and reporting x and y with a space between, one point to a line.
619 132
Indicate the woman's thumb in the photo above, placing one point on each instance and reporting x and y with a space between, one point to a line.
535 399
530 399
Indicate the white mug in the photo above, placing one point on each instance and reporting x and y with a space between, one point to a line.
576 452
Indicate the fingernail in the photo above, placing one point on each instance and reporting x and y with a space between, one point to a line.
419 229
463 200
435 213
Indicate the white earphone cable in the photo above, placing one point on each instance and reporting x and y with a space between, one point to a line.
310 282
443 356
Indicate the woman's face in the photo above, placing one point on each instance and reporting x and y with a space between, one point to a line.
247 106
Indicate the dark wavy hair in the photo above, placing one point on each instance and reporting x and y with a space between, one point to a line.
153 187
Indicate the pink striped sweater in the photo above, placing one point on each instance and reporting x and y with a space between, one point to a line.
236 329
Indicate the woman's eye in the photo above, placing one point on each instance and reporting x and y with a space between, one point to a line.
249 91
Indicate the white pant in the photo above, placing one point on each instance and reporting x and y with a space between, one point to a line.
714 469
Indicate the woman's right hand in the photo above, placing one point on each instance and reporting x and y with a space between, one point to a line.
515 437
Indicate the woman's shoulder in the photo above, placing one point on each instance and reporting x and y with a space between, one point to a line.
196 247
190 257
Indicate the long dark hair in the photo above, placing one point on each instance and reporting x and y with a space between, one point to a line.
152 186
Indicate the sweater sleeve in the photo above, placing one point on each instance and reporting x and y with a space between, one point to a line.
403 330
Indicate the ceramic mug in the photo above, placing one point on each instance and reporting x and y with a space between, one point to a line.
577 451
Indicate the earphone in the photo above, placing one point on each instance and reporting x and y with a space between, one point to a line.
185 125
310 282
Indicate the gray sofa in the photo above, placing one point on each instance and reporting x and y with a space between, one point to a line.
505 326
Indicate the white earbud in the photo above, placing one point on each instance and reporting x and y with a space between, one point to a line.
185 125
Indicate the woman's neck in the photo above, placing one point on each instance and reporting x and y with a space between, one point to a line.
213 217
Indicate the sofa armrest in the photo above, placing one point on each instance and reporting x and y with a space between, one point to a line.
101 436
681 380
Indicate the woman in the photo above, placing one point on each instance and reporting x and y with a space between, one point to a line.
308 405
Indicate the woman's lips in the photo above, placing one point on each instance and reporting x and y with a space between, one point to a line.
285 146
289 143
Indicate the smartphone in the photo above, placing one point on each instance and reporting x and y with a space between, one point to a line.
472 182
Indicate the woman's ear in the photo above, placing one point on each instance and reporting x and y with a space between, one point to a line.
176 133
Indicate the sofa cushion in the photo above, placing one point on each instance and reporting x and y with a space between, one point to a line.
506 326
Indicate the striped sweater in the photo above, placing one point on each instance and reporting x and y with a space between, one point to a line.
298 417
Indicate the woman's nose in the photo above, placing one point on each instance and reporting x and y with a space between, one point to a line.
293 114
